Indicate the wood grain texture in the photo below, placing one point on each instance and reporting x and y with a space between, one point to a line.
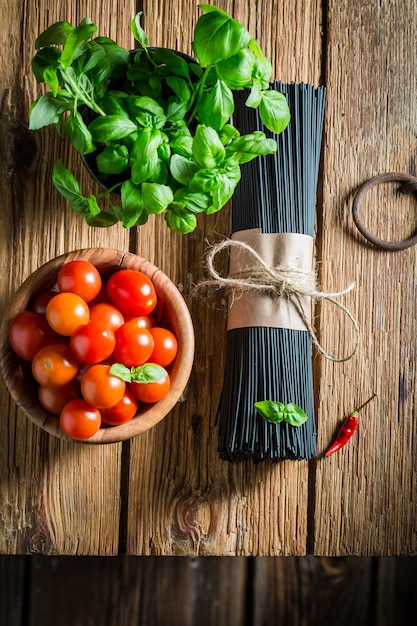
55 497
166 492
366 497
182 499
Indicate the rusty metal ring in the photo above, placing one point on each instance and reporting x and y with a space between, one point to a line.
408 185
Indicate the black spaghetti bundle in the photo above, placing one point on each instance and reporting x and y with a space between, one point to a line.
276 194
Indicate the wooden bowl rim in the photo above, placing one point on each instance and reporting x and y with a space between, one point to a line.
167 292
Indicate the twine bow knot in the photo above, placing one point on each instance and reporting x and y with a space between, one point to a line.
278 281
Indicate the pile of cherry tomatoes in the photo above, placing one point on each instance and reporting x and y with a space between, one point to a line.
95 349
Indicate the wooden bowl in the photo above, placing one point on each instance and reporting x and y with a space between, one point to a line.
174 315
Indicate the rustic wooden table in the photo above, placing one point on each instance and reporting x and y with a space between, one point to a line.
167 492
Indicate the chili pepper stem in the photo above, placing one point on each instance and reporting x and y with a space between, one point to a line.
356 411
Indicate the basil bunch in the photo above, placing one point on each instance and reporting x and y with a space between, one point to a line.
156 123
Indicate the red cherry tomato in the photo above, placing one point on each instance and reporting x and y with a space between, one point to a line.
28 333
65 312
151 392
121 412
134 345
54 365
143 321
40 302
53 399
79 420
100 388
80 277
92 342
132 292
106 312
165 346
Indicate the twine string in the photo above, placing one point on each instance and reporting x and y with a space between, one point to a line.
278 281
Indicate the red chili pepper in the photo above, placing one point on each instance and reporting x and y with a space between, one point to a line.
347 429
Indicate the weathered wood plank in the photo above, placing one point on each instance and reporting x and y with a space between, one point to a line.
56 497
183 500
395 599
312 590
12 590
128 590
366 499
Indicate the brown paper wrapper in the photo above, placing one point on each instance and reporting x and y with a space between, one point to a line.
251 308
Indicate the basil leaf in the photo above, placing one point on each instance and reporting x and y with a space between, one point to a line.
121 371
111 128
104 219
147 373
156 197
193 201
113 159
223 191
131 211
274 111
45 58
276 412
180 87
179 220
216 105
50 76
145 165
47 110
182 169
148 112
255 96
249 146
138 32
271 411
208 150
173 61
114 53
114 103
294 416
54 35
68 187
262 70
237 70
217 36
73 46
78 133
176 110
228 133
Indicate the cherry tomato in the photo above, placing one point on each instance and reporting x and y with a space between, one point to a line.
53 399
39 303
106 312
151 392
100 388
165 346
132 292
143 321
92 342
65 312
79 420
54 365
80 277
28 333
134 345
121 412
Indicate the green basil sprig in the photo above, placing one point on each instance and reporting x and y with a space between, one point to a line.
276 412
146 373
156 124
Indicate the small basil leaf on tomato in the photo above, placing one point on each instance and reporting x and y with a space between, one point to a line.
148 373
121 371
